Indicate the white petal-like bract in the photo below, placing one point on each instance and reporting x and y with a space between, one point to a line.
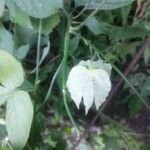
90 81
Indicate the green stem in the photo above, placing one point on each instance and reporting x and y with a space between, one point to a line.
66 49
92 14
38 51
50 87
37 61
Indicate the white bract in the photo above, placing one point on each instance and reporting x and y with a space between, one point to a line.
90 81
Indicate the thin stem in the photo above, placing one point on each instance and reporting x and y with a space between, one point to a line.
38 51
92 14
81 12
66 49
37 62
50 87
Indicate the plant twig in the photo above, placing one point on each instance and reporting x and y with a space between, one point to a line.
92 14
38 51
50 87
37 61
64 91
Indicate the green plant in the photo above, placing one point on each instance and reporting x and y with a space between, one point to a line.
41 43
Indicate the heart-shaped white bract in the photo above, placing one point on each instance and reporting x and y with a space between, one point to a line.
90 81
19 110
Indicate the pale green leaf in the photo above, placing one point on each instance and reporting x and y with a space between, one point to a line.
2 6
11 72
19 115
103 4
22 52
4 94
6 40
39 8
18 16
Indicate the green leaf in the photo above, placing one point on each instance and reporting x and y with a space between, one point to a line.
27 86
125 13
18 16
39 8
105 4
19 115
4 94
2 6
47 24
134 106
6 40
11 72
3 132
114 32
22 52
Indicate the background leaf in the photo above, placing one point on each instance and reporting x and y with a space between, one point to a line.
6 40
115 32
39 8
18 16
22 51
106 4
47 24
2 6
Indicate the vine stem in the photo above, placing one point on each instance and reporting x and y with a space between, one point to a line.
50 88
37 61
38 51
66 50
92 14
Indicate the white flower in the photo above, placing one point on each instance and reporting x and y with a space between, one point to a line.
90 81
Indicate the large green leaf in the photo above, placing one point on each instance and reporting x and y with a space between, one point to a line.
19 115
102 4
6 40
40 8
18 16
11 72
2 6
